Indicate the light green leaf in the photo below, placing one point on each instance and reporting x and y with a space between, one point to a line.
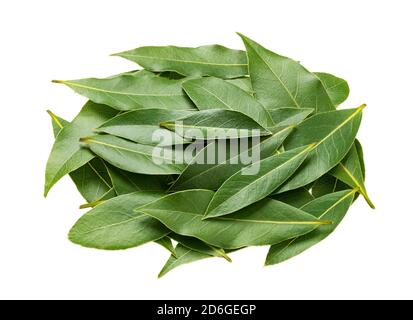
67 154
349 171
212 60
332 207
201 175
114 225
280 82
130 91
142 126
255 182
337 88
333 132
134 157
183 213
243 83
184 255
213 93
222 124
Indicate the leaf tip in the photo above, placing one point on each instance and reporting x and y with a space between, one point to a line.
58 81
362 106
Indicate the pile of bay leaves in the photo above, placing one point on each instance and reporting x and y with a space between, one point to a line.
309 169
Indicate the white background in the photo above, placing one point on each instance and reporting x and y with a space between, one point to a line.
369 43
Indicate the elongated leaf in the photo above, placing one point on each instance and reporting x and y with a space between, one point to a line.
360 154
167 244
331 207
265 222
200 246
67 154
243 189
133 157
125 182
337 88
281 82
130 91
199 174
243 83
349 171
289 116
213 93
114 225
221 124
334 133
212 60
326 184
92 179
142 126
184 255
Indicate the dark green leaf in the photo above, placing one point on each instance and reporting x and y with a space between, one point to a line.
255 182
167 244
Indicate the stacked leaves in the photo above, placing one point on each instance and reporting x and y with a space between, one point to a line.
309 172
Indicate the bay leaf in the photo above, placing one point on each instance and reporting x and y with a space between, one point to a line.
67 154
337 88
184 255
334 133
296 198
280 82
142 126
183 213
201 175
289 116
114 225
332 207
213 93
200 246
167 244
133 157
125 182
349 171
216 123
243 189
210 60
130 91
243 83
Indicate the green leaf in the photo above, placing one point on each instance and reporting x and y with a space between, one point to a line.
334 133
280 82
200 246
222 124
125 182
349 171
142 126
92 179
243 83
296 198
331 207
361 157
201 175
337 88
289 116
134 157
326 184
114 225
184 255
167 244
262 178
212 60
213 93
130 91
67 154
183 213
